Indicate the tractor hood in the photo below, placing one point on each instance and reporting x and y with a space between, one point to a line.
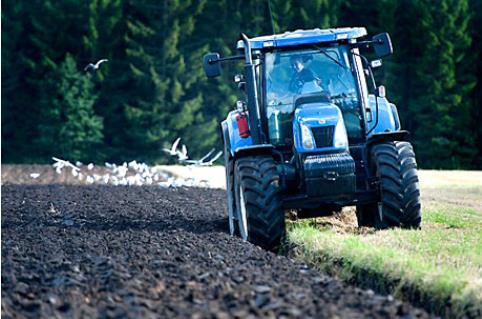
322 122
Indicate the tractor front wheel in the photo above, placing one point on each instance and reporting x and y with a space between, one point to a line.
257 200
399 204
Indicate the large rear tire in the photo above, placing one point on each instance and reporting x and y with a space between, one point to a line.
258 203
399 206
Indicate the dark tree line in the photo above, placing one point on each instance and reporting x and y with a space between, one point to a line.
153 88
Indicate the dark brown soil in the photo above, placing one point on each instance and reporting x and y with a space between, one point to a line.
105 251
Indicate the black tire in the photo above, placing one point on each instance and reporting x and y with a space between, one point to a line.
257 191
231 206
399 206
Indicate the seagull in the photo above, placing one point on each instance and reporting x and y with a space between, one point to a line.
34 175
209 163
59 164
173 151
89 180
91 68
202 159
182 156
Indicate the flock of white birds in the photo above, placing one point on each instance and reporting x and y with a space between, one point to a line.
134 173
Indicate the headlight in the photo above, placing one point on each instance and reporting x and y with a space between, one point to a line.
306 137
341 139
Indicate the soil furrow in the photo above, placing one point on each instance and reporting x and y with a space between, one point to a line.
105 251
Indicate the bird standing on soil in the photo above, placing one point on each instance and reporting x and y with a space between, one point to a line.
91 68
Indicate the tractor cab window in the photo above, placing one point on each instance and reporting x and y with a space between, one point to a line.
325 70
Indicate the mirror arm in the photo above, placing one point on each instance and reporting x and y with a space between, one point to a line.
362 44
228 58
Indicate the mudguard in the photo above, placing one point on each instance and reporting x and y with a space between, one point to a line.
388 120
231 134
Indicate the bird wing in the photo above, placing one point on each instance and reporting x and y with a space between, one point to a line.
218 155
184 150
99 62
89 66
175 144
207 155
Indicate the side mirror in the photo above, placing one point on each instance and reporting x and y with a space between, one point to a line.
382 45
211 65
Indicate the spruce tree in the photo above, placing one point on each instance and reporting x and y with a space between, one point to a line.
13 139
68 126
442 137
476 69
154 81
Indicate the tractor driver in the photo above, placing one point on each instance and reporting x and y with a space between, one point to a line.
302 76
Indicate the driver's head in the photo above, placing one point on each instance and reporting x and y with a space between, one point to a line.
297 63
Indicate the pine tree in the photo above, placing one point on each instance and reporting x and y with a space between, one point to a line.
476 69
154 81
37 35
315 14
68 126
13 142
442 141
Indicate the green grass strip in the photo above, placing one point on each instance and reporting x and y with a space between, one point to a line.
438 267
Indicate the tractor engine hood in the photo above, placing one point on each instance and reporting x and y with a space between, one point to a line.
319 127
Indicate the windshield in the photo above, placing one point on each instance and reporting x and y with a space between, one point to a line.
326 70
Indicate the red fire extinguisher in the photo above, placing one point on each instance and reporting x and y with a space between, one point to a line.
243 127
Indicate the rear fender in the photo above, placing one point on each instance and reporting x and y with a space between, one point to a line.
388 120
231 134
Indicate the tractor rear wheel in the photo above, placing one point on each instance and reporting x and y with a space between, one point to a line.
258 203
399 206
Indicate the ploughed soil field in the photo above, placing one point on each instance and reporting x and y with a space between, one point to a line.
115 251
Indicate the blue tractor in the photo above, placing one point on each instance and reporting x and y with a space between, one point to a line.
314 134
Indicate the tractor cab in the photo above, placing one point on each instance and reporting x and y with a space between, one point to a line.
311 125
315 70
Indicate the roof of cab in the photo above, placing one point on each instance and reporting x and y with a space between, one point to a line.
301 37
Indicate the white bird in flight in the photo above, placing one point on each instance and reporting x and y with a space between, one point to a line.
202 159
173 151
210 162
94 67
60 163
182 156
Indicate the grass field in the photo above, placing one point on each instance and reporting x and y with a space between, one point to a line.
438 267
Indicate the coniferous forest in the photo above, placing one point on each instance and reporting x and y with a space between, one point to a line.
153 88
